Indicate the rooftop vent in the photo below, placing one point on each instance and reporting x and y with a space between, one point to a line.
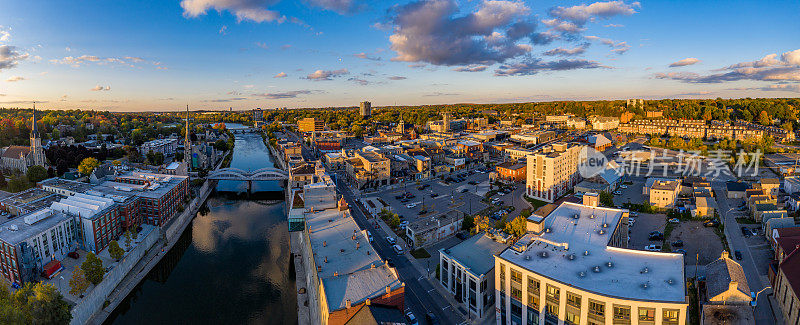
324 243
576 217
543 254
326 259
671 281
586 253
547 230
571 257
605 225
596 269
609 264
591 216
527 257
341 250
645 270
646 285
582 274
601 231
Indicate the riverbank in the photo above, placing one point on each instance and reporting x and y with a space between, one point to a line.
169 236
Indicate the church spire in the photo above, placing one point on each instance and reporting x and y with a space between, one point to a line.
187 144
34 130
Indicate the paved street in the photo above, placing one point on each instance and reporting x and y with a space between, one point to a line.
420 296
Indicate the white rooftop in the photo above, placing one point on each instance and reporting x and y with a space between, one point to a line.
575 252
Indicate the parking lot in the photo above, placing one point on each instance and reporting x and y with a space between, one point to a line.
434 197
698 242
633 192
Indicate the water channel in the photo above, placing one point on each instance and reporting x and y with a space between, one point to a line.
231 265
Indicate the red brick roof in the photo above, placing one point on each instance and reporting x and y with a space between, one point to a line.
791 269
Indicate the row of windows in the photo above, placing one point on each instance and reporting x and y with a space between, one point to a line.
621 314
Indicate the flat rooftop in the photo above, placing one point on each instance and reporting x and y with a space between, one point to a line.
576 253
64 184
157 185
476 253
350 268
17 230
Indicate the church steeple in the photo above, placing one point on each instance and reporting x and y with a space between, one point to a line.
34 130
187 144
37 152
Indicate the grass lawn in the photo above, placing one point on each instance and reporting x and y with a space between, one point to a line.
746 221
420 253
536 203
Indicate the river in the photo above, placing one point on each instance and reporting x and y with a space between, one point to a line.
231 264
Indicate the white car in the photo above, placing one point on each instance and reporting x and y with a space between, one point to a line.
631 222
652 248
617 192
403 224
411 205
623 186
411 319
391 240
397 249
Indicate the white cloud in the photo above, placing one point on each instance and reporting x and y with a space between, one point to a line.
10 57
281 75
100 88
472 68
320 75
684 62
5 34
769 68
580 14
223 30
14 79
338 6
252 10
73 61
560 51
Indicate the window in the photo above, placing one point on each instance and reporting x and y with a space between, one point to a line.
596 308
647 315
671 316
551 310
516 276
502 278
573 300
553 293
572 318
622 315
516 293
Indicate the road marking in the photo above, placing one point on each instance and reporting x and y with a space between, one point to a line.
430 290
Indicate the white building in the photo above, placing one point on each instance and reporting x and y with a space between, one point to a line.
576 270
467 271
553 171
166 147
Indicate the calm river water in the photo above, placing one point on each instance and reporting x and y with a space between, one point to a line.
231 265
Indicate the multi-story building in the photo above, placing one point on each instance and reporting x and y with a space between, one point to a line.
99 222
158 195
310 124
467 271
166 147
20 157
345 273
663 193
574 268
369 167
553 171
602 123
512 171
431 230
365 109
786 285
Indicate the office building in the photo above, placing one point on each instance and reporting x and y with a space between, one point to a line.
553 171
467 271
663 193
310 124
573 267
365 109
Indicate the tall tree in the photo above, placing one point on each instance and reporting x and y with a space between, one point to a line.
115 251
93 268
78 282
36 174
88 165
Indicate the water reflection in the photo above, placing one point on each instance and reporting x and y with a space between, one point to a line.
231 266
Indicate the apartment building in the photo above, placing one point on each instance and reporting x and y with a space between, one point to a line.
555 276
467 271
431 230
30 242
159 196
602 123
310 124
664 193
786 285
553 171
368 168
512 171
166 147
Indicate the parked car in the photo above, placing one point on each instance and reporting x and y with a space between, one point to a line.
682 251
397 249
434 195
73 255
711 223
674 220
634 214
391 239
472 183
403 224
411 319
677 243
369 236
463 190
411 205
623 186
738 255
389 262
431 318
461 236
653 248
617 192
656 235
746 232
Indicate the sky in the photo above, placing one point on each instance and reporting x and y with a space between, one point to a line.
242 54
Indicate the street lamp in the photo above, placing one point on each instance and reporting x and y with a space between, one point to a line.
755 300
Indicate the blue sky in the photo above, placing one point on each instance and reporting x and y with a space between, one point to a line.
215 54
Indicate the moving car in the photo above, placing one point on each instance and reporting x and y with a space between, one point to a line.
738 255
617 192
674 220
411 319
397 249
391 239
677 243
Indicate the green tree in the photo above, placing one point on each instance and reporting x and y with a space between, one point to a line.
88 165
115 251
78 283
606 199
93 268
3 182
468 222
127 239
18 183
36 173
517 227
221 145
33 304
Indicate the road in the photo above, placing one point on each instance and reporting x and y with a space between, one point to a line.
763 311
421 297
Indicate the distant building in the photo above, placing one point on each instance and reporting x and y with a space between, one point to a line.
663 193
310 124
258 114
20 157
167 147
427 231
634 103
365 108
512 171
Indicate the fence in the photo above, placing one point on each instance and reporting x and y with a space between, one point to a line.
94 301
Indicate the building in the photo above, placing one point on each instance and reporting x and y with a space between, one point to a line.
167 147
736 190
258 114
599 142
310 124
786 286
430 230
727 295
664 193
157 197
368 168
512 171
553 171
20 157
574 268
467 271
345 273
301 175
634 103
365 109
603 123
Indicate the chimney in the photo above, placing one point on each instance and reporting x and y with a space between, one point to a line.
733 286
324 243
367 302
388 290
326 259
358 245
347 303
337 274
